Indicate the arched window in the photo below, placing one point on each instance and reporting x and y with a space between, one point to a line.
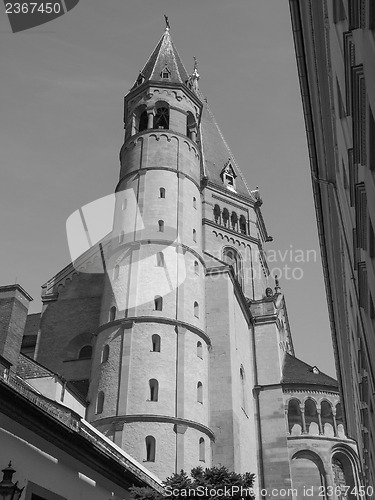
161 118
196 267
112 313
194 202
232 257
234 221
143 121
116 272
199 350
326 416
150 449
200 392
243 224
161 226
155 343
194 235
161 193
294 418
225 217
154 389
121 237
217 213
105 353
196 309
85 352
100 402
202 454
160 259
191 127
243 389
311 417
158 301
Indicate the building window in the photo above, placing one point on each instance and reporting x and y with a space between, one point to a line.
371 140
150 449
161 193
225 217
232 258
116 272
154 389
194 202
194 235
112 313
124 204
196 267
155 343
196 309
165 74
105 353
354 14
158 302
121 237
234 221
161 226
161 118
100 402
199 350
371 240
200 392
201 450
85 352
243 225
217 213
191 127
160 259
143 121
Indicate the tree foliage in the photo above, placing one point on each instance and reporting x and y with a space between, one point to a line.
216 483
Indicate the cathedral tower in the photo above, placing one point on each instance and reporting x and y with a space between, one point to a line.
171 320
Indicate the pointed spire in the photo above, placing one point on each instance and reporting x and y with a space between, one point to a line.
164 64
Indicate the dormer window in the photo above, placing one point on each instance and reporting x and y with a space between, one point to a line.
140 79
228 176
165 74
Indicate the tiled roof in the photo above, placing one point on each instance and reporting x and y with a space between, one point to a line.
164 56
28 368
298 372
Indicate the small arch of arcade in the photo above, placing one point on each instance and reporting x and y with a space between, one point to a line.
326 472
314 416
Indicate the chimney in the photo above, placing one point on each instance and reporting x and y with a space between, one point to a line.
14 304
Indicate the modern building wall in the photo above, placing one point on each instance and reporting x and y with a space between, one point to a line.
335 50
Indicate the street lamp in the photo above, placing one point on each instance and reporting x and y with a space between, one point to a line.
8 489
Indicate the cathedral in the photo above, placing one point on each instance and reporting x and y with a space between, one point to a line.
167 325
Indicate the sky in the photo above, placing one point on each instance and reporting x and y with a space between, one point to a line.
61 128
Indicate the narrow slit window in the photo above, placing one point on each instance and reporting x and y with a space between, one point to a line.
194 202
196 309
196 267
160 259
202 453
200 392
155 343
194 235
199 350
121 237
161 226
162 193
105 353
154 389
100 402
150 449
112 313
158 302
116 272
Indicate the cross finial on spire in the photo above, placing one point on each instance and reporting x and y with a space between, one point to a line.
167 25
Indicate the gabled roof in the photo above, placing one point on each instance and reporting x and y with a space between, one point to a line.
300 373
165 56
216 153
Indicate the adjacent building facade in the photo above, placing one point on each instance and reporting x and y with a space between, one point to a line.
335 50
169 325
